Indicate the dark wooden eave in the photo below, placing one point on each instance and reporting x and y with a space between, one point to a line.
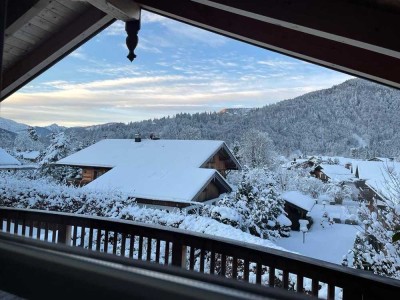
40 34
355 37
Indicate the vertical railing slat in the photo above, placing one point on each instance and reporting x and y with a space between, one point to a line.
314 287
106 241
223 264
212 262
191 258
23 227
285 279
53 233
202 258
46 232
140 252
234 267
16 226
271 276
38 230
300 283
31 228
148 258
246 270
8 228
90 245
166 254
331 291
158 251
98 239
123 244
115 242
74 235
258 272
83 232
131 246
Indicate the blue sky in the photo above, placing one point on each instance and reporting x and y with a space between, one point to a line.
179 68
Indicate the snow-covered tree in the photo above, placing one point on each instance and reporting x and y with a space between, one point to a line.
373 248
338 192
257 149
58 149
28 140
255 207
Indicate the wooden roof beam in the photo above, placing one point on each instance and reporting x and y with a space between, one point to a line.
368 25
343 35
55 48
125 10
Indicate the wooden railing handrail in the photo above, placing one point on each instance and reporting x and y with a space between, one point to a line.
289 262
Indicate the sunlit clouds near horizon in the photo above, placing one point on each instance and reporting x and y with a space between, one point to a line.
178 68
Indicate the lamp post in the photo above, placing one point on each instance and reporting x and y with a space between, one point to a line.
324 203
303 228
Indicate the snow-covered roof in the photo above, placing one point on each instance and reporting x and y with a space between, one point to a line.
375 174
7 160
337 172
169 184
29 154
377 158
147 153
299 199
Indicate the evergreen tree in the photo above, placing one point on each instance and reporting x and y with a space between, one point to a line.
257 207
373 248
58 149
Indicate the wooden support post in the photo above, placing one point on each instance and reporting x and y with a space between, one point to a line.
64 234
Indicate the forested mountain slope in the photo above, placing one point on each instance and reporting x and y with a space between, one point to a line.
357 118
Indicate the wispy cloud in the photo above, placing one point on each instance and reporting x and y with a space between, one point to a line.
179 69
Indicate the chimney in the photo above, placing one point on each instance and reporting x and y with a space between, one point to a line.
138 138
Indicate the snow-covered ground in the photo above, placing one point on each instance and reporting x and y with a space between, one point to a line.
323 241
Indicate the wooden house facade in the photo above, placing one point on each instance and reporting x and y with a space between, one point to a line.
297 206
296 213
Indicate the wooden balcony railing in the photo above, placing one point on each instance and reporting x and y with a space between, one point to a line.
200 252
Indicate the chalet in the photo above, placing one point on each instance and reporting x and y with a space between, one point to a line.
8 162
30 156
177 173
336 173
297 206
377 181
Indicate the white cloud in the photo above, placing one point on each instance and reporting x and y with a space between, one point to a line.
117 28
78 54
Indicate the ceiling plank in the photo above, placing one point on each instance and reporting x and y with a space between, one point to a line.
55 48
26 17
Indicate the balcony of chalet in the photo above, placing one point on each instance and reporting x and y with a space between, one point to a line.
42 253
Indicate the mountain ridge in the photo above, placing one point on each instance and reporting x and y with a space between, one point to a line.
355 117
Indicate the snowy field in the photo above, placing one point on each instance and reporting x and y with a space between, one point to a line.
326 242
